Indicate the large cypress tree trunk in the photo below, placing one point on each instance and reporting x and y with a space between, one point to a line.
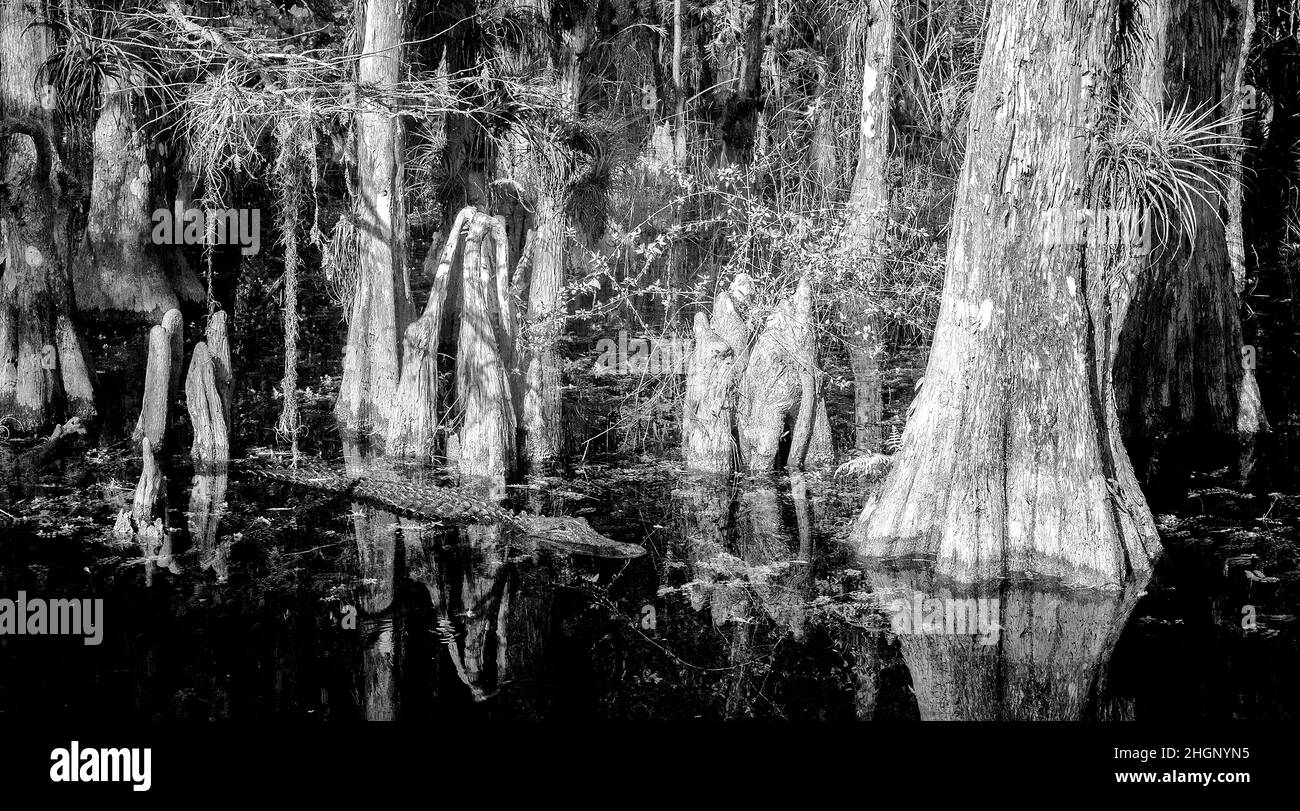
1012 461
116 268
864 231
44 374
1180 367
381 307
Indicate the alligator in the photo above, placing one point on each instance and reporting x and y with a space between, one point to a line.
568 533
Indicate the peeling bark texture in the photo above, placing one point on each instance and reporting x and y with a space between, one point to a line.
542 418
372 364
211 448
865 228
117 268
44 372
1179 371
708 445
1012 461
415 417
487 433
157 385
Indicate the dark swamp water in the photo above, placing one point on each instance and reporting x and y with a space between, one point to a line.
747 604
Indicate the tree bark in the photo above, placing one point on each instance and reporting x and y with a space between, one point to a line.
157 389
487 434
1180 369
147 507
1012 462
211 449
865 229
44 373
714 404
542 405
708 417
415 418
174 324
780 373
222 375
822 450
117 268
373 360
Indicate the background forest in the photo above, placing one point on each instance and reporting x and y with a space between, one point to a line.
767 290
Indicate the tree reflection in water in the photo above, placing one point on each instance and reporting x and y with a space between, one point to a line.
1044 656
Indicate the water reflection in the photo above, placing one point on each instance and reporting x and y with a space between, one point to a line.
206 507
1004 651
747 604
488 629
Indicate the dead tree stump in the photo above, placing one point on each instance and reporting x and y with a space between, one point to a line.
707 443
157 380
174 324
415 417
775 378
487 434
219 352
211 448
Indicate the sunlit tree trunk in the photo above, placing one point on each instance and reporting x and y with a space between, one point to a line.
1012 461
717 361
44 371
541 402
487 433
116 267
381 308
542 416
